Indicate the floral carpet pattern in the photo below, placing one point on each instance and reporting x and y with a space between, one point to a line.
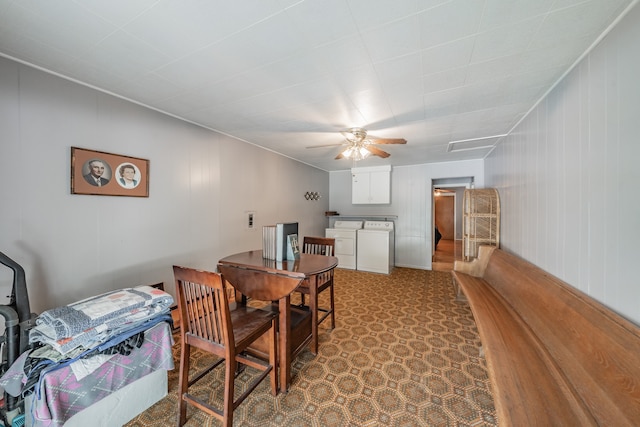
404 353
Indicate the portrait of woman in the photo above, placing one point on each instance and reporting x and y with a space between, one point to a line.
128 175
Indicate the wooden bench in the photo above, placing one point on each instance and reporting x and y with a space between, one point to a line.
556 357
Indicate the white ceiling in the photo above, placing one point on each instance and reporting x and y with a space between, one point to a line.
288 74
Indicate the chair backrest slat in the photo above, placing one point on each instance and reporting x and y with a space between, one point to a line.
203 304
318 245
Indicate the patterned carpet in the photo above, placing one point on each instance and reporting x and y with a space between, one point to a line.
403 353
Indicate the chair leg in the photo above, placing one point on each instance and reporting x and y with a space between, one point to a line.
313 306
229 383
183 382
273 356
332 307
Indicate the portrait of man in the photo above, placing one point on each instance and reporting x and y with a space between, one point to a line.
97 172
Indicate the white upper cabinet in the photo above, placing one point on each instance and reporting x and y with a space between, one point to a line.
371 185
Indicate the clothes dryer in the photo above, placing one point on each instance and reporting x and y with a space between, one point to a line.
345 234
376 247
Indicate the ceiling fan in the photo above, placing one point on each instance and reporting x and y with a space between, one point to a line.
359 146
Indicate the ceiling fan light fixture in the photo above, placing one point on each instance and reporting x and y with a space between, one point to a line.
363 153
356 153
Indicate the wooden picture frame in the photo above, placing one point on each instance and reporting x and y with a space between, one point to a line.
107 174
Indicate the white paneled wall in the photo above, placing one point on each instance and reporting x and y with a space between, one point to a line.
568 175
201 185
411 200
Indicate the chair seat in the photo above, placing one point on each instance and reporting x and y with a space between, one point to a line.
249 323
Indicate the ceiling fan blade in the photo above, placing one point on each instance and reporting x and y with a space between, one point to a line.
378 152
325 145
339 156
388 140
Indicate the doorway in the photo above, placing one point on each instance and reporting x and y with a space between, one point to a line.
447 248
447 196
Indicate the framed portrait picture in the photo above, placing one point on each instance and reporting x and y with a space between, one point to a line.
107 174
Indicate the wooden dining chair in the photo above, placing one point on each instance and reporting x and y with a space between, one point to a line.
208 323
318 246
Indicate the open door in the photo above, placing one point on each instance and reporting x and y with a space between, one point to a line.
446 216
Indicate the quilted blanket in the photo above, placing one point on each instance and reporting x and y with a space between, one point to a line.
94 320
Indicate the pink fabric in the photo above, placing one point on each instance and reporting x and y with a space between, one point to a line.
62 395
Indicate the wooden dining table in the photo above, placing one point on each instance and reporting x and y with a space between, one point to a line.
311 266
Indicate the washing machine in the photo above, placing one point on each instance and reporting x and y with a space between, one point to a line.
376 247
345 233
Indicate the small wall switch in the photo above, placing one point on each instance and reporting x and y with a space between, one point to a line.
251 224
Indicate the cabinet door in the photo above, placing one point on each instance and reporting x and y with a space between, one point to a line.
360 188
380 187
371 188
